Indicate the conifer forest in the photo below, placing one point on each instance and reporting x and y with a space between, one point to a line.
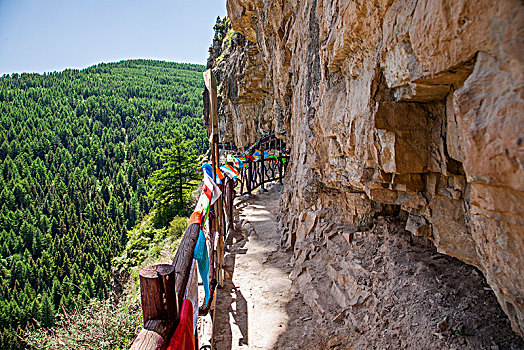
76 150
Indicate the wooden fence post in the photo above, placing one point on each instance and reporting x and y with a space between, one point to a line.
157 289
250 176
280 165
262 171
211 85
159 307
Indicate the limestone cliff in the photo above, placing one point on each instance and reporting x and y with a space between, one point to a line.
400 106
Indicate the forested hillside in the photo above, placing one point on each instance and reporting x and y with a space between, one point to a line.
76 149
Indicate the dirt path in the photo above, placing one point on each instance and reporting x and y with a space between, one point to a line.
253 307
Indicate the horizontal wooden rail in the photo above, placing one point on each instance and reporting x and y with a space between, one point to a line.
184 259
257 173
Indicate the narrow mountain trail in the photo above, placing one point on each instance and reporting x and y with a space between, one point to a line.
258 308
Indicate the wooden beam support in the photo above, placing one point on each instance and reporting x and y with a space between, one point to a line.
184 259
211 85
154 336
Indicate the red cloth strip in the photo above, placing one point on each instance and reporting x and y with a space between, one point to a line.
184 337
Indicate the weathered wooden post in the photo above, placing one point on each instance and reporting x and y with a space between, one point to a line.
211 85
262 168
159 306
250 176
157 289
242 178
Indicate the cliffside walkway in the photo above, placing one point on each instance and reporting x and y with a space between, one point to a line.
258 308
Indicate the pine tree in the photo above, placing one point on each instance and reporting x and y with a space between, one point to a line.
56 291
177 176
35 310
47 311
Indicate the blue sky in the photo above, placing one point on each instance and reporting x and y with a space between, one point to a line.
51 35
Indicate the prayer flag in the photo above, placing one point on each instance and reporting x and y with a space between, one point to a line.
184 337
208 169
208 193
238 163
232 168
192 291
202 257
211 189
228 172
219 174
195 218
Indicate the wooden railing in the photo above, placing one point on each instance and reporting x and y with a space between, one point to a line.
162 289
270 167
163 286
258 173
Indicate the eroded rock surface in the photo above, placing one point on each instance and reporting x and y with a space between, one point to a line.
412 108
376 289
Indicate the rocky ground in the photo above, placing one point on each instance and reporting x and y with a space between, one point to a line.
384 291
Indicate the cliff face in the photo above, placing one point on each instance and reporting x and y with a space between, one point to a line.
412 108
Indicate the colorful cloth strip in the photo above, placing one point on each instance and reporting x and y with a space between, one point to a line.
237 162
219 174
232 168
231 173
211 189
208 169
210 193
256 155
192 291
195 218
202 257
184 337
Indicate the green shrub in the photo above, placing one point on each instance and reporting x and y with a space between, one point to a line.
98 325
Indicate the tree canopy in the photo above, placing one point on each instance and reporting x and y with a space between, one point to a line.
76 148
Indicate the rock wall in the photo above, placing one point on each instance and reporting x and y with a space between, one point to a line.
405 107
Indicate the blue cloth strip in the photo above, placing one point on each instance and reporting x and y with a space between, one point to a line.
202 257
